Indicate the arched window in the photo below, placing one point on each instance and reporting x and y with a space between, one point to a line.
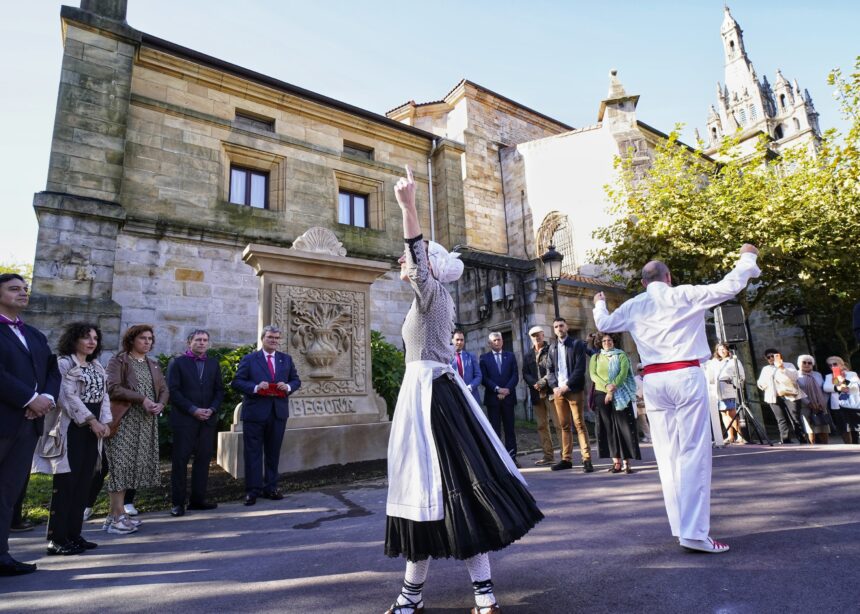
742 116
753 113
782 101
779 132
556 230
713 134
731 49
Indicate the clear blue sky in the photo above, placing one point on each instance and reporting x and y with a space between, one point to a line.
551 56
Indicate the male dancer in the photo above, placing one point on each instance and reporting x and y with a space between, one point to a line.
668 325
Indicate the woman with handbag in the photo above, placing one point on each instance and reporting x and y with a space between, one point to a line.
722 377
71 444
843 386
138 393
813 409
614 393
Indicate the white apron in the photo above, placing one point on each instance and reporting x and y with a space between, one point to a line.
414 478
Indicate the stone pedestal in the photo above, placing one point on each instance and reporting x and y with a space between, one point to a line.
320 299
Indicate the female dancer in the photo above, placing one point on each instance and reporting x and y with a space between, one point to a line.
453 490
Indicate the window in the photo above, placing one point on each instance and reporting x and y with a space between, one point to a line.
796 124
753 112
556 230
359 151
352 209
779 132
782 101
246 119
360 201
742 116
249 187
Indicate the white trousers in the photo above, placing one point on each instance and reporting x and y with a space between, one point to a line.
677 404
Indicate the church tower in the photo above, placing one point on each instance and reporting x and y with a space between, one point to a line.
747 106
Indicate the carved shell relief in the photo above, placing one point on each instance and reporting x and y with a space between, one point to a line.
319 241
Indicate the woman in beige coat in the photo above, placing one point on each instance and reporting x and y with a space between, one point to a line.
71 444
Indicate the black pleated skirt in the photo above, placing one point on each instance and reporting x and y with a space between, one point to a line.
486 508
617 435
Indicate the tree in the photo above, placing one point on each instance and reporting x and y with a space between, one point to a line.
801 208
24 270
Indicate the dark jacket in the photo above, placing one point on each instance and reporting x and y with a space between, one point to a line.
471 372
493 378
251 371
534 370
24 372
190 391
122 382
576 364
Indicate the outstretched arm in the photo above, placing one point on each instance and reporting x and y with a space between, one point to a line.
614 322
736 280
404 191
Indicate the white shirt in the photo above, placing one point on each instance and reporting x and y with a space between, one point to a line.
668 323
562 362
19 334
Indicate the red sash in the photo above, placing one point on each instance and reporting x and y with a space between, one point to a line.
660 367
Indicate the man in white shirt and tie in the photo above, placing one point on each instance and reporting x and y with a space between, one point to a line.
668 325
500 374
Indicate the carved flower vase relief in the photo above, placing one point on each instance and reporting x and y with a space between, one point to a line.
322 332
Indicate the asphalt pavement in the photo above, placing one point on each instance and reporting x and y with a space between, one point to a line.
790 513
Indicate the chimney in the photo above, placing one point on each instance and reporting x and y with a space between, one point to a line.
111 9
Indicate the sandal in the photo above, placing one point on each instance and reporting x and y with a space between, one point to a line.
627 468
615 468
413 607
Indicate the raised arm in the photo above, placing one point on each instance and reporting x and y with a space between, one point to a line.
404 191
711 295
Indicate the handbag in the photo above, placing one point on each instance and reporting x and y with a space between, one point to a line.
850 400
52 444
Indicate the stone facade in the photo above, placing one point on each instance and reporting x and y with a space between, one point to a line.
136 223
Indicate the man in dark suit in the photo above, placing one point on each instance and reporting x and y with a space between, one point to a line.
534 375
466 365
196 391
29 384
566 368
266 378
500 374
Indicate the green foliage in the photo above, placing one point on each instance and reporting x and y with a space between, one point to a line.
24 270
389 365
802 209
229 359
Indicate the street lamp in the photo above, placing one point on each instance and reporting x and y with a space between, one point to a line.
552 270
801 317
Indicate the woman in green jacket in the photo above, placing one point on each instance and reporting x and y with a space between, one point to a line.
614 393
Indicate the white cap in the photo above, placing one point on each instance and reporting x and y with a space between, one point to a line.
535 329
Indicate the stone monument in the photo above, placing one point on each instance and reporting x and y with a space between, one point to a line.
320 299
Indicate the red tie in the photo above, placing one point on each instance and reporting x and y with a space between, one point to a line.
271 366
460 364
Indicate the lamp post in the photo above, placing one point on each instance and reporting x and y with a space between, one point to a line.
801 317
552 270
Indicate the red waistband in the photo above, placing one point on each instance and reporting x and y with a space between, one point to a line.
669 366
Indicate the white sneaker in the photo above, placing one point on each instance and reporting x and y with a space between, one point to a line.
704 545
88 512
121 526
130 509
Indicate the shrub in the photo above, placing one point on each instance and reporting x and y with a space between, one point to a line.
389 365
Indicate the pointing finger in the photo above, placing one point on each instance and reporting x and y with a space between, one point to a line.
409 176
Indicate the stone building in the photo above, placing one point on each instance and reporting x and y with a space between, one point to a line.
166 163
749 107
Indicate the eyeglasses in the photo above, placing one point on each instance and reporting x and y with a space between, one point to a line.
768 356
832 364
807 362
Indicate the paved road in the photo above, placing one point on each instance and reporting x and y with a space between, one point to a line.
790 513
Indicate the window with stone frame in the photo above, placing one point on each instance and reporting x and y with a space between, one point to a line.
249 187
753 113
360 201
742 116
352 209
252 177
357 150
